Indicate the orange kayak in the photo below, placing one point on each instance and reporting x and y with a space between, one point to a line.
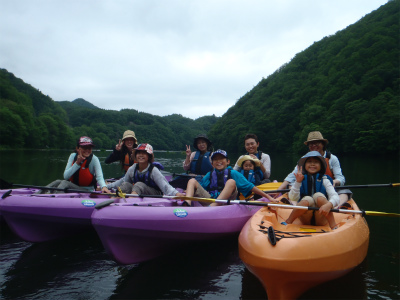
303 255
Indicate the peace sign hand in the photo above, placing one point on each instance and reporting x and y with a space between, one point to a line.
188 152
119 145
299 175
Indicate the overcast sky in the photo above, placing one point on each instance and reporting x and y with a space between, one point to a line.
193 58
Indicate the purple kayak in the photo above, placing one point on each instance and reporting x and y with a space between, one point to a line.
133 233
39 218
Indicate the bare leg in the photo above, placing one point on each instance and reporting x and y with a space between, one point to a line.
191 189
297 212
331 219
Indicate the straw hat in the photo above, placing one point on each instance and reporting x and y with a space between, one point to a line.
315 136
315 154
243 158
128 134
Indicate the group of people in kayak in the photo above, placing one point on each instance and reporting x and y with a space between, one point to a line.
209 175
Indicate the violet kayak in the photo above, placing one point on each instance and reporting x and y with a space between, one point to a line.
39 218
133 233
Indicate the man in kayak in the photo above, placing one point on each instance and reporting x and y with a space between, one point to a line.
313 188
222 182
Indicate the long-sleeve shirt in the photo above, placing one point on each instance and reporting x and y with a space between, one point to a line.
156 176
333 197
265 161
242 184
334 165
94 168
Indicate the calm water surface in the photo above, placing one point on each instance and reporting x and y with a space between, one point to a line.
79 268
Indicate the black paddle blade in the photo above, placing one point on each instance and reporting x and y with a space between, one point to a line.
103 204
6 194
5 185
271 236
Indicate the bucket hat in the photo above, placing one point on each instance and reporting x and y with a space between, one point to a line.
219 151
128 134
204 137
315 136
315 154
85 141
248 157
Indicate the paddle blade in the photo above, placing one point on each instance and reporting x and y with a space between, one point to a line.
5 185
269 186
103 204
382 214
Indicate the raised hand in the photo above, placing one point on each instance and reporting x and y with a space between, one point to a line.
119 145
80 158
299 175
188 151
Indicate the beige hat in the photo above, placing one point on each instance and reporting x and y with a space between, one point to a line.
128 134
248 157
315 136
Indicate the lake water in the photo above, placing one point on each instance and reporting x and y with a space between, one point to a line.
79 268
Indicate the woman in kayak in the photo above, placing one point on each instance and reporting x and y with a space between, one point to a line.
83 170
197 163
144 177
252 145
313 188
123 151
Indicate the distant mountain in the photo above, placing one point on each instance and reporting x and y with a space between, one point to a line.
78 102
346 86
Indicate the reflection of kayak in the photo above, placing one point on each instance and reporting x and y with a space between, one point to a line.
304 255
136 233
38 218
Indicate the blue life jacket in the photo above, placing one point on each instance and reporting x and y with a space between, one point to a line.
145 178
200 164
249 175
313 184
218 180
258 169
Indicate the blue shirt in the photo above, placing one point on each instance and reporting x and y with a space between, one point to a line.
242 184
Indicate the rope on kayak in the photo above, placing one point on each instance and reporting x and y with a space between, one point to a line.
275 236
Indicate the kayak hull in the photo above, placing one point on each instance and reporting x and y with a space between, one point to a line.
295 264
39 218
133 234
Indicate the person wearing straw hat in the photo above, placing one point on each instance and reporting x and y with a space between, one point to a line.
247 165
122 151
252 145
316 142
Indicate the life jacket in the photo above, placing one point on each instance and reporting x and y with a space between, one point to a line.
328 170
127 162
313 184
218 180
250 175
82 176
146 177
258 169
201 164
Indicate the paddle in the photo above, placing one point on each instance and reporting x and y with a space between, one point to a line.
256 203
7 185
344 187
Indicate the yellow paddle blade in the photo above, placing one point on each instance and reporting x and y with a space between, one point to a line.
270 186
383 214
308 229
120 193
197 199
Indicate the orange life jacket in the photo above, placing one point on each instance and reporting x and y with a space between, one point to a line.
83 177
127 162
328 169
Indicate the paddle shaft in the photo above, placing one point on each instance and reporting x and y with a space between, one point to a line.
66 190
343 187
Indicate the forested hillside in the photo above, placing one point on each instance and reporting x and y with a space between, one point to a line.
346 86
29 119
